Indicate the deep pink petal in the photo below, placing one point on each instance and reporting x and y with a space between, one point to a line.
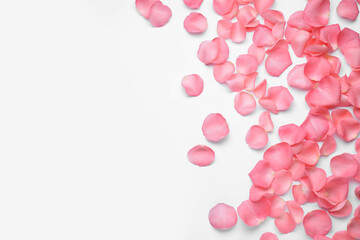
348 129
195 23
317 177
344 165
257 52
246 64
309 153
260 90
285 223
282 182
256 137
297 79
279 156
224 28
222 216
262 175
254 213
193 4
223 72
223 7
277 206
291 133
329 146
278 61
215 127
263 5
325 94
193 85
317 222
348 9
316 13
160 14
244 103
329 34
353 228
201 155
263 36
348 38
144 6
266 122
268 236
237 32
295 210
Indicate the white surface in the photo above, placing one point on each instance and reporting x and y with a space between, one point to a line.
95 127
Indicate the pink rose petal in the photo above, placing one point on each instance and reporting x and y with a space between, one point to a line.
353 228
329 34
215 127
244 103
256 137
246 64
317 68
195 23
277 99
343 211
339 114
272 17
295 210
144 6
265 121
222 216
325 94
263 36
316 13
354 95
253 213
309 153
344 165
224 28
263 5
277 206
291 133
297 170
193 85
260 89
208 51
201 155
278 61
223 7
262 175
317 177
348 9
348 129
268 236
279 156
257 52
246 15
223 50
256 193
357 212
193 4
285 223
329 146
282 182
223 72
348 38
298 41
237 32
335 190
297 21
315 126
297 79
342 235
317 222
160 14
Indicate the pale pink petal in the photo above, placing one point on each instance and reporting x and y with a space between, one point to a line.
223 7
316 13
272 17
357 192
309 153
254 213
317 68
298 41
285 223
224 28
329 34
160 14
266 122
348 38
317 178
344 165
246 14
353 228
343 211
193 4
325 94
223 72
282 182
357 211
291 133
237 32
279 96
335 190
348 9
234 10
223 50
277 206
263 5
297 79
237 81
279 156
268 236
215 127
223 216
201 155
193 85
354 95
256 193
256 137
262 175
246 64
295 210
342 235
257 52
315 126
244 103
144 6
195 23
263 36
297 170
317 222
297 21
250 81
207 52
329 146
348 129
278 61
260 90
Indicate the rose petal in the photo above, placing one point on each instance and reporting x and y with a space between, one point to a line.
233 11
329 34
342 211
348 9
295 210
357 212
335 190
256 137
246 64
329 146
356 112
315 126
353 228
278 61
266 122
195 23
268 236
263 5
297 170
223 72
298 41
237 32
285 223
352 56
193 4
236 82
316 13
353 79
263 36
317 178
272 17
262 175
277 206
325 94
297 21
301 193
279 156
344 165
201 155
256 193
208 51
291 133
279 96
342 235
144 6
348 129
254 213
257 52
160 14
193 85
222 7
354 95
348 38
317 68
244 103
282 182
215 127
246 14
223 51
260 90
297 79
224 28
317 222
222 216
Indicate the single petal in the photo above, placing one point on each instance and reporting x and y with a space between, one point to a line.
300 194
223 72
246 14
344 165
144 6
309 153
279 96
348 129
285 223
246 64
282 182
335 190
160 14
342 235
233 11
352 56
263 5
222 216
256 193
329 34
193 85
325 94
339 114
348 9
315 126
201 155
224 28
297 79
215 127
295 210
223 50
317 68
244 103
257 52
193 4
329 146
353 228
268 236
253 213
354 78
297 21
195 23
341 210
291 133
262 175
260 89
223 7
297 170
263 36
237 32
207 52
279 156
317 222
316 13
277 206
272 17
250 81
278 61
256 137
317 177
298 41
266 122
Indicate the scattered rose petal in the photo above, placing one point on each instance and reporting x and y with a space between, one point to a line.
207 52
316 13
315 126
344 165
291 133
224 28
329 34
263 36
325 94
237 32
263 5
278 61
266 122
223 72
342 235
277 99
256 137
257 52
260 89
309 153
348 9
244 103
348 129
223 50
317 222
144 6
262 175
277 206
246 64
195 23
193 4
353 228
297 79
282 182
329 146
193 85
341 210
297 170
317 178
295 210
201 155
285 223
215 127
253 213
222 216
160 14
317 68
279 156
223 7
268 236
335 190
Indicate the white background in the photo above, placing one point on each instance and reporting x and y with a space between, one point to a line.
95 127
